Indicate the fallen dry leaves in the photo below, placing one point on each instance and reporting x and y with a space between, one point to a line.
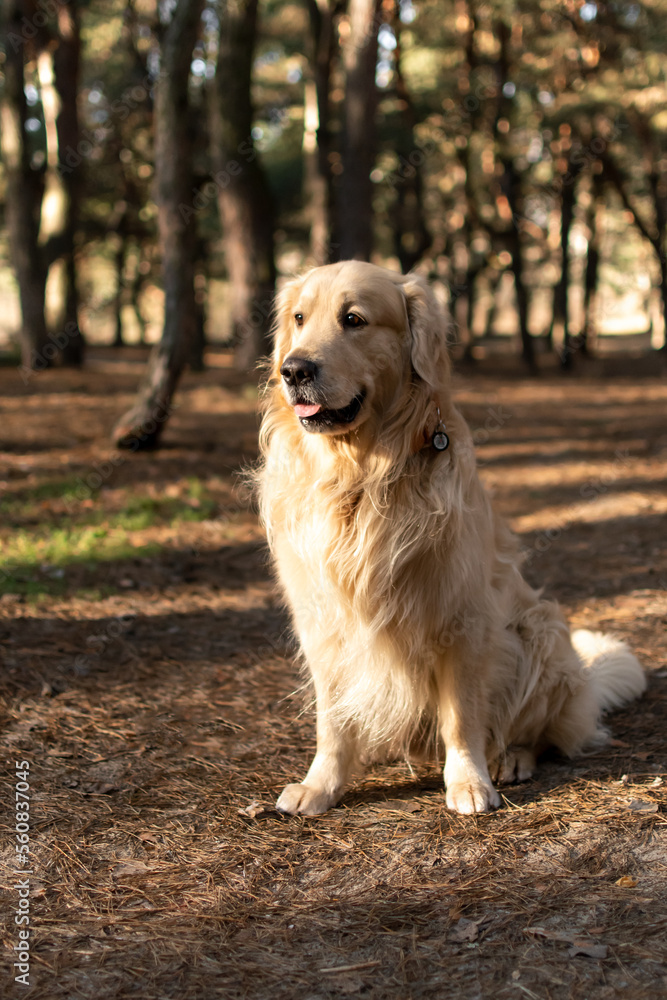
162 869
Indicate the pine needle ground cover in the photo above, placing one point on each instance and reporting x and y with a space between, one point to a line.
149 677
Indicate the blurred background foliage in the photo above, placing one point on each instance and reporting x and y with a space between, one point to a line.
514 152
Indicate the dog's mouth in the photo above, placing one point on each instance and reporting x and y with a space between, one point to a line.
314 417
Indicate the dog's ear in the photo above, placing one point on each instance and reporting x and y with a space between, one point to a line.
428 330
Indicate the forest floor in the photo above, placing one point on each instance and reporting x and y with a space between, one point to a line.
149 679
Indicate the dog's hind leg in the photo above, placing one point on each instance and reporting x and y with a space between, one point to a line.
463 717
515 764
331 768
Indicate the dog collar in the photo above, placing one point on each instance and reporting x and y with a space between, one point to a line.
440 439
433 434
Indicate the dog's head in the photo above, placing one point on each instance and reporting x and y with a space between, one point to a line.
351 339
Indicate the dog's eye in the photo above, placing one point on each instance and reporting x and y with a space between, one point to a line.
353 320
298 319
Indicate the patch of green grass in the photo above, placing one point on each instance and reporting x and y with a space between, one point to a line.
94 593
35 556
24 500
145 512
58 546
35 562
138 513
196 489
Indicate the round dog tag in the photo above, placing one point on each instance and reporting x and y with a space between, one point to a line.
440 441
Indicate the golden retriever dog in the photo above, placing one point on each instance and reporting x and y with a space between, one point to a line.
405 588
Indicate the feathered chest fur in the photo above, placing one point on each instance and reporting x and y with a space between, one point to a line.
376 548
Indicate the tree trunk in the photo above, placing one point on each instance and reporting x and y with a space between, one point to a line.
119 262
589 330
355 190
315 186
515 199
655 233
142 426
244 199
654 168
411 235
318 181
25 190
196 359
658 184
136 285
510 205
591 276
66 60
465 276
561 291
663 293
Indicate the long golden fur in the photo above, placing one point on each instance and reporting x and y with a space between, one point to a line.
404 587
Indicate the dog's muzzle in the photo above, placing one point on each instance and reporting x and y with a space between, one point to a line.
300 376
298 372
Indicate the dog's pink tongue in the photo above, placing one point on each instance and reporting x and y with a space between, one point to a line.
307 409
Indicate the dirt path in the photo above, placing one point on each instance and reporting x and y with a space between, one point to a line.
148 678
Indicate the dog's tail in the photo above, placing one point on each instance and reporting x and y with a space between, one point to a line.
613 671
612 678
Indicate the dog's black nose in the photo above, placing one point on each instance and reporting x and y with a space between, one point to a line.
298 371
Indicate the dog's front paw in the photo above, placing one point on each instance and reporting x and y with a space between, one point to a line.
472 796
305 799
468 784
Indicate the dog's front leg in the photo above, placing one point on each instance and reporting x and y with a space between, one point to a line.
330 771
463 712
